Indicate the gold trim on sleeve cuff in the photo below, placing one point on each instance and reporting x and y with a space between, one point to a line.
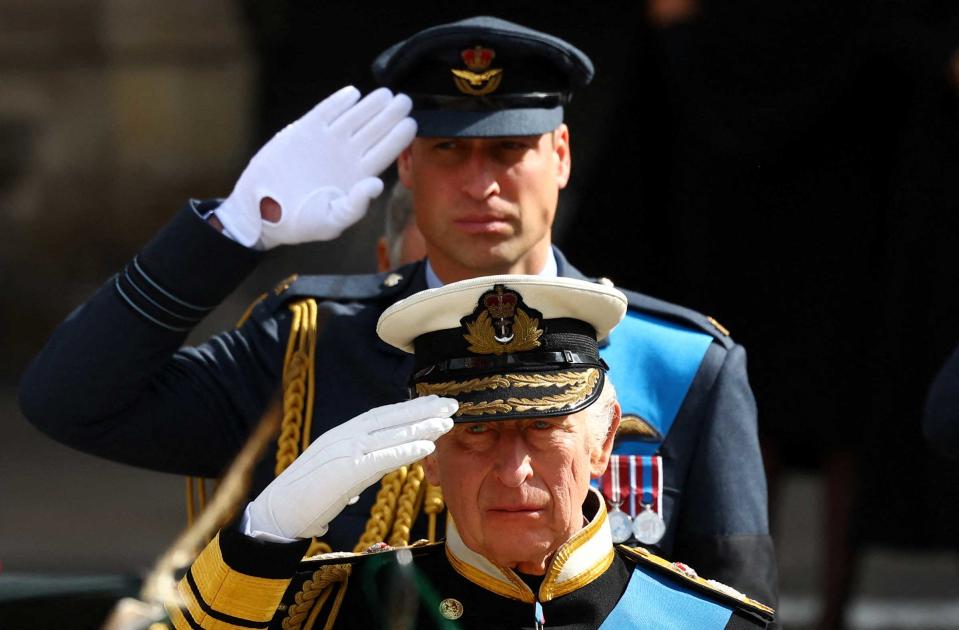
228 593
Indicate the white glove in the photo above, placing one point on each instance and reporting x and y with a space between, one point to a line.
344 461
321 169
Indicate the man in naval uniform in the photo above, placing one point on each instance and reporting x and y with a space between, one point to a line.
490 156
513 413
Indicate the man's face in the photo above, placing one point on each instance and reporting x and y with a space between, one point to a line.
516 487
486 205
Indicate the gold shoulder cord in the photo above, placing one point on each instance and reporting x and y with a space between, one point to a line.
298 390
408 505
433 504
299 368
402 495
379 524
307 604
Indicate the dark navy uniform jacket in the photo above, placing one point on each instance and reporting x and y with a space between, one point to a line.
113 380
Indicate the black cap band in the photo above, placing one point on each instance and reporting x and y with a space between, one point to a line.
489 103
536 360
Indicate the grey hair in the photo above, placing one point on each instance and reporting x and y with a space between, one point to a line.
399 213
599 415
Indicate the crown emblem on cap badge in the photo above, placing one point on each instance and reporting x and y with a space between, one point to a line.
480 79
502 325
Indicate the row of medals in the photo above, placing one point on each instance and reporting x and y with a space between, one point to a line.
647 528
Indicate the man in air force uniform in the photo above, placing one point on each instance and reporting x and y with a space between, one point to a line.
485 169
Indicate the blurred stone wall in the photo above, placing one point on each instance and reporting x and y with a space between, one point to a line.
112 112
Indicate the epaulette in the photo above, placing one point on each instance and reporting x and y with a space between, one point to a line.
337 288
689 578
674 313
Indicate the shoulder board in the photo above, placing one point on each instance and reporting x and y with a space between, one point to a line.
688 577
675 314
417 549
343 288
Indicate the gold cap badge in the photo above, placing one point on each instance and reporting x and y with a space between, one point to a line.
502 325
479 80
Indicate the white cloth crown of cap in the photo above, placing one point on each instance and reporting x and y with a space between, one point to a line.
601 306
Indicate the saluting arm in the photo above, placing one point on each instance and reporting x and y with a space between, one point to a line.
239 579
112 381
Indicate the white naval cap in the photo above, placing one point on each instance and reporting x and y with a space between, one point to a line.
507 346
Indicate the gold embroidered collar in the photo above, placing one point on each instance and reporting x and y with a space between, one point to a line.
579 561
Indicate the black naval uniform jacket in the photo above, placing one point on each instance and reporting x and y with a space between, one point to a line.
239 582
114 381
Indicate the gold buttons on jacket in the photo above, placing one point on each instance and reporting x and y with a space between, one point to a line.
451 608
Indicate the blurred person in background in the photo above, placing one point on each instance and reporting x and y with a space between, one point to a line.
401 242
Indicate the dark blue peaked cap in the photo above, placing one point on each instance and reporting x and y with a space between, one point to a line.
484 77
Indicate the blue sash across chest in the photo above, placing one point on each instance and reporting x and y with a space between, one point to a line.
652 364
653 601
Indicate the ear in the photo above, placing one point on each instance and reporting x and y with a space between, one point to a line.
561 150
599 459
432 469
404 166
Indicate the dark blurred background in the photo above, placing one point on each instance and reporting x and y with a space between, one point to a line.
790 168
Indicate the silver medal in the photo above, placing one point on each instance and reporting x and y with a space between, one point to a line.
620 525
648 526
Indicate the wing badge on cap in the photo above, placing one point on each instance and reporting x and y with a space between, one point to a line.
479 80
500 325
